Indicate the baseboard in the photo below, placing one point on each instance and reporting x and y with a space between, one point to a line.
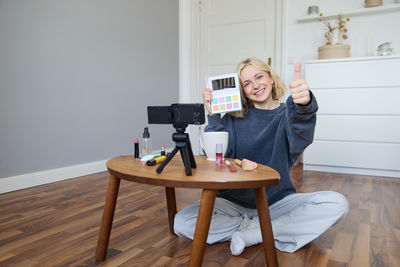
18 182
358 171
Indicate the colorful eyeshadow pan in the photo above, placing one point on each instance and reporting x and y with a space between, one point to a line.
226 103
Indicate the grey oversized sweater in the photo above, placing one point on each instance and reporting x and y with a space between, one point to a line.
271 137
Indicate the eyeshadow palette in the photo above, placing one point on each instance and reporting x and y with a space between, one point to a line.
226 93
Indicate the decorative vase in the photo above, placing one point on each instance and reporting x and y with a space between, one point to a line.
335 36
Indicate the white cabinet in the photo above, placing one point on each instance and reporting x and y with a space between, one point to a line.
358 121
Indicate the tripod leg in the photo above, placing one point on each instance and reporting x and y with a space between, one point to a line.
191 157
165 162
186 160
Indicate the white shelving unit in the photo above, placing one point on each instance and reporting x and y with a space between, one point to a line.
353 13
358 120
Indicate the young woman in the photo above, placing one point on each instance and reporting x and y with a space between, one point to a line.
274 134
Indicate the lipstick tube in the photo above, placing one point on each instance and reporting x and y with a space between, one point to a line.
136 149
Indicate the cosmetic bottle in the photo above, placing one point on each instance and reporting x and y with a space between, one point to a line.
218 154
146 146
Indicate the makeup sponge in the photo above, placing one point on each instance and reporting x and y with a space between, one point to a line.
247 166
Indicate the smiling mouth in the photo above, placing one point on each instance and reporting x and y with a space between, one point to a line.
258 93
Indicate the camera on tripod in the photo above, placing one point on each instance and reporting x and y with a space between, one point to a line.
179 115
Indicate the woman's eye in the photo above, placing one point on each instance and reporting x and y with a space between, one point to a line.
259 77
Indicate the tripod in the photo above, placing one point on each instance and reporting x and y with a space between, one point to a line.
182 143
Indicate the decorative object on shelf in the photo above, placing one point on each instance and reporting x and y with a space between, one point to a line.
339 29
335 36
373 3
313 10
336 32
385 49
333 51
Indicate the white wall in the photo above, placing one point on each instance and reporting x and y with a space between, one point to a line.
303 39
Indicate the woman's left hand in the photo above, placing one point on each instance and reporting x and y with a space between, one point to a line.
299 88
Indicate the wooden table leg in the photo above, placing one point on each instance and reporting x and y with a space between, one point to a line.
171 206
202 227
108 216
266 227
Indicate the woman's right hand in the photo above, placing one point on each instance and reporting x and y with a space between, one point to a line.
207 99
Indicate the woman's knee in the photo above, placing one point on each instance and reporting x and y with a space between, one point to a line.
226 219
183 227
185 220
341 206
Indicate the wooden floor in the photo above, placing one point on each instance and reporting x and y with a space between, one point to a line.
57 225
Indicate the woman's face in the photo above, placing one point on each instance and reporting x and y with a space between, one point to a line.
257 86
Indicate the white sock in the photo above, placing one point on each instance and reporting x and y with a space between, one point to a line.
248 236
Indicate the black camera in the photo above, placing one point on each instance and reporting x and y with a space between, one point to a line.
177 114
180 115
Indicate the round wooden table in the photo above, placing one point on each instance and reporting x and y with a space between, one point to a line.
207 176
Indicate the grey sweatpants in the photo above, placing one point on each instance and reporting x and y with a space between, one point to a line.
296 219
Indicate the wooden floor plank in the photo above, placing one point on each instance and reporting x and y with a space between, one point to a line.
360 257
121 258
316 256
57 225
235 261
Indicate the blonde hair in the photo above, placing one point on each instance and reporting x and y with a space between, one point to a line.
278 86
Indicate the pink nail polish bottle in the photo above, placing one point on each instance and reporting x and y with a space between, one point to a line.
218 154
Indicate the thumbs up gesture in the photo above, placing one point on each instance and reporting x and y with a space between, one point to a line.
299 88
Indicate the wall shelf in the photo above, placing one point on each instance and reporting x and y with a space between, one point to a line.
353 13
351 59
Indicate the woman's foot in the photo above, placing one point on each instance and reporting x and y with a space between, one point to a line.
248 236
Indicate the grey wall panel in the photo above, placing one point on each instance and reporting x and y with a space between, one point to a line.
76 77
